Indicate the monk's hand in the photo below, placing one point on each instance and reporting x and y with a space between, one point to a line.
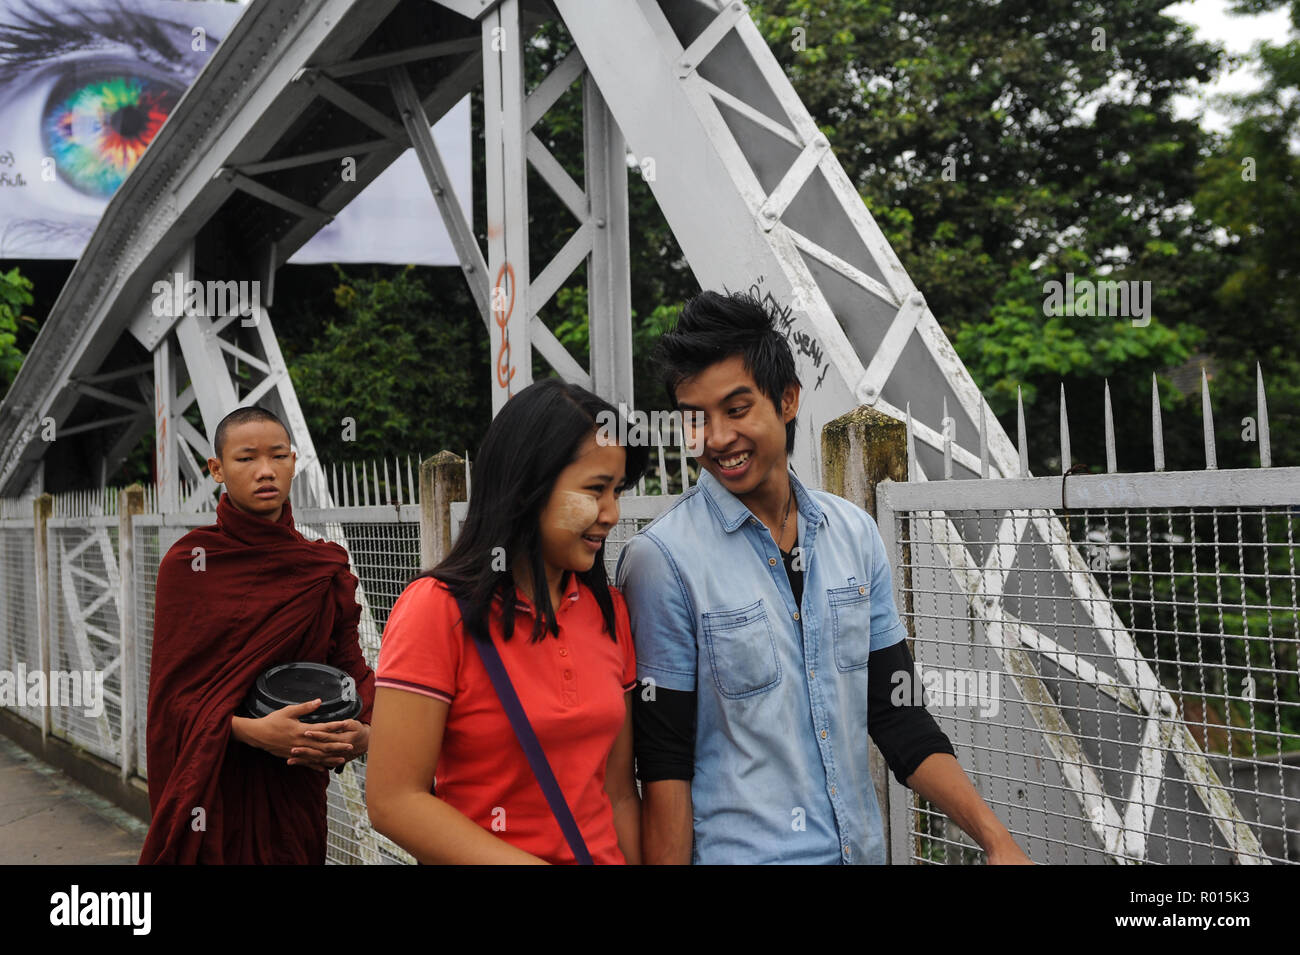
353 732
283 734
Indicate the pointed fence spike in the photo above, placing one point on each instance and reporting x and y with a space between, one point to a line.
1110 433
1022 443
984 443
913 467
412 488
1207 423
1261 413
334 484
1065 433
388 484
947 441
1157 428
467 474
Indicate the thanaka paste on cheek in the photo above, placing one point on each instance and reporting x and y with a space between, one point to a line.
576 512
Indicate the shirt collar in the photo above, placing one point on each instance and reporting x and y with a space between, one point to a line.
732 512
571 594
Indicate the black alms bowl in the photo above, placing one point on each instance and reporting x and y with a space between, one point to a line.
291 683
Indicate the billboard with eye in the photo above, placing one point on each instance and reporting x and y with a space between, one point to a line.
85 85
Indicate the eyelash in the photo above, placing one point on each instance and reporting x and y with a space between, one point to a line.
40 36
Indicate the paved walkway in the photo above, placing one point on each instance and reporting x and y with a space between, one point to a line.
48 819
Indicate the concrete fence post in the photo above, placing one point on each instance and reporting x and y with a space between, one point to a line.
859 450
42 510
442 481
130 502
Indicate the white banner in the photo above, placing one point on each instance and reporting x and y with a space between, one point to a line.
85 87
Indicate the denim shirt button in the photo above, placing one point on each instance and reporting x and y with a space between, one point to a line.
771 561
796 615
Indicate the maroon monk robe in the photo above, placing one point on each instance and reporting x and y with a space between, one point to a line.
266 596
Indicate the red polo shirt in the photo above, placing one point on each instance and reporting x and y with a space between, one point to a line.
572 688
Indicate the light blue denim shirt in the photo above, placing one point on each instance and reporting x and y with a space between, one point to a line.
781 767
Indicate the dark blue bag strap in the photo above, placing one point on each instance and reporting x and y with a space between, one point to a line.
528 740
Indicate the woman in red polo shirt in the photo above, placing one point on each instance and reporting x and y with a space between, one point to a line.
544 496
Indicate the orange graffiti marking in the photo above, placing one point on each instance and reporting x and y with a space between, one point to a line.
502 315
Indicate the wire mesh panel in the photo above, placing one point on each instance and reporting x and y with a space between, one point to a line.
154 535
84 681
1119 681
19 634
384 546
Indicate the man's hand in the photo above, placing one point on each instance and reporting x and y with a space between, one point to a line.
941 780
1007 853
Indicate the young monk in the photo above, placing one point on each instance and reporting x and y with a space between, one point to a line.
233 599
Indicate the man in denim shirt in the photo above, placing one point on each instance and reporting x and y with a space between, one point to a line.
766 634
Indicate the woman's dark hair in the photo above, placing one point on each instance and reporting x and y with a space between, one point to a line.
535 436
711 328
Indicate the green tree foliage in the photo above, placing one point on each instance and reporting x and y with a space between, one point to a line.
409 369
1250 186
15 295
1000 146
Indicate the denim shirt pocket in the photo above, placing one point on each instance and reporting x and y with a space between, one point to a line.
742 650
851 625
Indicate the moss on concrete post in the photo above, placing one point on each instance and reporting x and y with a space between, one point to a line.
859 450
442 481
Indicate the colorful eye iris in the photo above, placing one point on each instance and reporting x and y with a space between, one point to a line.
97 131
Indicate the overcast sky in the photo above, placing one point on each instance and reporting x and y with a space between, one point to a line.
1238 34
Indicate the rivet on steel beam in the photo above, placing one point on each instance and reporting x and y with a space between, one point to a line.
600 223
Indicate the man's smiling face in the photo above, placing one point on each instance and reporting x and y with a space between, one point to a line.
743 437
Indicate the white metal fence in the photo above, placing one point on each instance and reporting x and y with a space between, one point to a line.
1113 655
101 604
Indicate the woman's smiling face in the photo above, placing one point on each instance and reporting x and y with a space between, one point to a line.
583 506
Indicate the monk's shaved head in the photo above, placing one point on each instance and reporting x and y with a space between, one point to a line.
243 416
